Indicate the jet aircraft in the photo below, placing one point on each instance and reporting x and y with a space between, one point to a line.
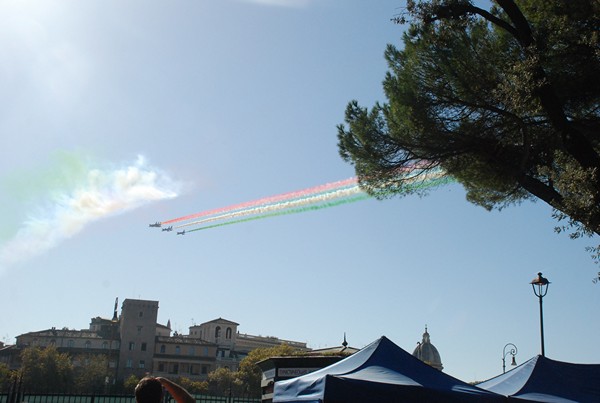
156 224
181 232
168 228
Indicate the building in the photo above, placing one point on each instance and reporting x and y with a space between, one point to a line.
233 346
180 355
135 344
223 334
137 329
426 352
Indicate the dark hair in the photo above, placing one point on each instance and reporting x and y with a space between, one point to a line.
148 390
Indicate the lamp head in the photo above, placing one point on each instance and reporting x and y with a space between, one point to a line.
540 280
542 285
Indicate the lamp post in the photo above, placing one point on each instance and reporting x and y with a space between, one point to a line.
540 289
513 351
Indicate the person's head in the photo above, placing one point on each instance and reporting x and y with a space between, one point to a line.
148 390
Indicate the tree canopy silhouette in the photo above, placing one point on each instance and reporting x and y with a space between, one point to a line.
505 100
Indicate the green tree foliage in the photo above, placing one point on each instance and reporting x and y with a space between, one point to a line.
223 382
504 100
90 373
194 387
46 370
249 374
5 377
130 383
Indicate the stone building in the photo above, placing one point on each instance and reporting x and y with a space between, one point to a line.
137 329
135 344
426 352
233 346
180 355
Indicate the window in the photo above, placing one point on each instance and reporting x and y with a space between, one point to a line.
177 350
161 367
173 368
105 345
70 343
218 332
204 370
206 351
131 346
228 333
194 369
141 314
139 329
129 363
143 346
192 350
142 364
162 348
88 344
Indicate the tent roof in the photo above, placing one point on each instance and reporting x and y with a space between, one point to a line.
381 369
541 379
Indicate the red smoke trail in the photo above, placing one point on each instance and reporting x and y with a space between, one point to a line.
310 198
267 200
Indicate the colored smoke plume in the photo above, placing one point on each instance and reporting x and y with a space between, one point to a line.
97 193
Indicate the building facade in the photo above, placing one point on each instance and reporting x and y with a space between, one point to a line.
137 329
183 356
233 346
135 344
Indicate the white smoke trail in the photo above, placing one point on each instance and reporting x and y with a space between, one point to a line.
282 205
102 193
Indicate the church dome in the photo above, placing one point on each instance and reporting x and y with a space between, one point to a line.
426 352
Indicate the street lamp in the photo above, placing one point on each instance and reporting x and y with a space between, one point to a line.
513 352
540 289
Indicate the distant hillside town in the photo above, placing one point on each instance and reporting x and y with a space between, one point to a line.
135 344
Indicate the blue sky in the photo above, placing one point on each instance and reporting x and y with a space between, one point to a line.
117 114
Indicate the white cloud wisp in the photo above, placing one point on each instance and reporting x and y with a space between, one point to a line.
101 194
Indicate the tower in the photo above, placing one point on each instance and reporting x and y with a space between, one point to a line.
138 334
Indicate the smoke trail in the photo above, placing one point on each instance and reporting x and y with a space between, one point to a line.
296 202
315 202
413 174
267 200
97 194
287 212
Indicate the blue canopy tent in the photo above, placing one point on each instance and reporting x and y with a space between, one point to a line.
544 380
380 372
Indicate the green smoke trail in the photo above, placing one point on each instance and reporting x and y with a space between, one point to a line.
287 212
427 183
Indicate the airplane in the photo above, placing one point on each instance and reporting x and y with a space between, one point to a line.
181 233
156 224
168 228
